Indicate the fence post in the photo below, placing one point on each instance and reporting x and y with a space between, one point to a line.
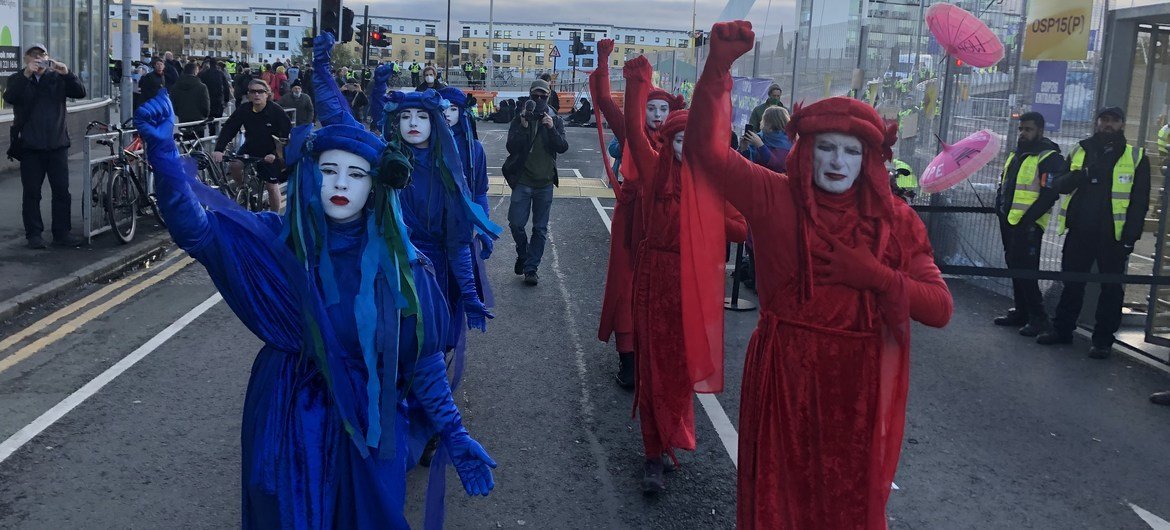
734 303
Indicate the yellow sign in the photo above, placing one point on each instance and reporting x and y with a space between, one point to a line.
1058 30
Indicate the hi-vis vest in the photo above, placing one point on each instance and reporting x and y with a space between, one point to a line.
1164 140
1121 186
415 68
1027 186
905 178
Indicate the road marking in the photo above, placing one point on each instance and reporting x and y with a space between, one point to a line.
30 431
577 173
79 305
87 316
710 403
1155 522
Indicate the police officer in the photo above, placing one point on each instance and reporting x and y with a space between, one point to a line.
1108 194
1023 201
415 70
904 177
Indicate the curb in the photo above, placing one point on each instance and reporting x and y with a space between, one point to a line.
90 273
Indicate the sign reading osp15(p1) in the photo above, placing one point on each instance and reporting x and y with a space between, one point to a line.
1058 30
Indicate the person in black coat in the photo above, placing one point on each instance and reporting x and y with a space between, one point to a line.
41 142
218 89
190 99
152 82
172 70
243 79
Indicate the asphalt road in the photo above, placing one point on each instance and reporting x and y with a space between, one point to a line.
1001 433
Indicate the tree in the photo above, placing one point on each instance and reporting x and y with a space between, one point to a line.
344 55
402 55
303 54
167 36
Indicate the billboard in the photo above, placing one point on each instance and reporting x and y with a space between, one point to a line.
1057 30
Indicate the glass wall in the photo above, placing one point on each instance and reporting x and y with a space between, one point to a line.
73 31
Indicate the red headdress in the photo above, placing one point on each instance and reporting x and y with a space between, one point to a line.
676 102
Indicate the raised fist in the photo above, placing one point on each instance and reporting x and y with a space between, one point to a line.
155 120
604 47
323 44
638 69
732 39
382 73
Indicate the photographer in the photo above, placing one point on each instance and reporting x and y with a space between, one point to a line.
535 138
40 141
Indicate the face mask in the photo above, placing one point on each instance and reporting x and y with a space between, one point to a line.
656 112
430 79
836 161
452 115
678 144
415 126
345 185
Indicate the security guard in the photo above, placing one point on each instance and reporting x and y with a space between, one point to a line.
415 69
904 177
1024 198
1108 190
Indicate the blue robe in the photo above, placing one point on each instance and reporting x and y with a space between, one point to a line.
475 172
300 468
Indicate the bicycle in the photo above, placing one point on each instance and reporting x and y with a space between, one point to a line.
208 172
124 194
249 190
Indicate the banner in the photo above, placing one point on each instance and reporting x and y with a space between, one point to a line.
746 94
1057 30
1048 93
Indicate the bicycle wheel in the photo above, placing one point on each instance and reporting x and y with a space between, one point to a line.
149 199
122 205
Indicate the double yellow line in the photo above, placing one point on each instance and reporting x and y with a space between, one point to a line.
128 287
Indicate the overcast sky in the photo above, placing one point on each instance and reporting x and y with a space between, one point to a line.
665 14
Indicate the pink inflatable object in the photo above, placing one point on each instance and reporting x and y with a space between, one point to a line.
963 35
959 160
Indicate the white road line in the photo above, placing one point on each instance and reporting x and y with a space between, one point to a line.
30 431
577 173
711 406
1155 522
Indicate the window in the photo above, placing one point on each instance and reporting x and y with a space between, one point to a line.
615 63
466 33
540 35
269 45
463 45
588 37
507 59
642 39
682 43
630 39
401 28
539 60
588 62
186 30
508 34
416 53
430 56
284 33
416 41
657 40
629 51
144 17
404 40
283 46
670 42
283 21
243 32
271 21
270 33
186 18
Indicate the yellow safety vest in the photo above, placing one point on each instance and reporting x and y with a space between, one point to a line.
415 68
1163 140
905 181
1027 186
1122 185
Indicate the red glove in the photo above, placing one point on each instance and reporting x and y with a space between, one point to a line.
638 69
730 40
604 48
854 267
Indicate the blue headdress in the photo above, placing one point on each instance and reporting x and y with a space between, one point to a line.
448 166
385 263
463 131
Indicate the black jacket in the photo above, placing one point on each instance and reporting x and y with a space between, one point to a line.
190 99
241 87
1090 212
218 88
520 140
40 107
172 71
437 85
259 128
1049 169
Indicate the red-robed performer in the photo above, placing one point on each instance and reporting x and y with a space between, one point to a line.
843 267
664 402
626 229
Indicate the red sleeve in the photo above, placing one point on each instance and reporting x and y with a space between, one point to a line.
642 153
929 297
734 224
603 98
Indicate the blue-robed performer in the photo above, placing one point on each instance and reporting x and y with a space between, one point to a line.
352 319
475 172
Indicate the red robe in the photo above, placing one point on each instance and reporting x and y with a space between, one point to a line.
826 375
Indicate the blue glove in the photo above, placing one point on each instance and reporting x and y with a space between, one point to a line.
155 121
322 49
433 392
462 268
477 313
486 243
382 74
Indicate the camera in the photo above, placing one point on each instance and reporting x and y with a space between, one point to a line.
46 63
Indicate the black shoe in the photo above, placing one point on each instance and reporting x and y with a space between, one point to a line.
1100 353
625 375
652 479
667 463
1160 398
531 278
1032 330
1053 337
519 268
1013 318
68 240
428 452
37 243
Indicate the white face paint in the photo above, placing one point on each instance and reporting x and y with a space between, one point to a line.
345 185
656 112
452 114
677 144
415 126
836 161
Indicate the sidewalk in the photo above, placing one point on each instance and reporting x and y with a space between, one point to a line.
32 277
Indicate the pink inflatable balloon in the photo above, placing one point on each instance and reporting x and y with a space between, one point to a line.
964 36
959 161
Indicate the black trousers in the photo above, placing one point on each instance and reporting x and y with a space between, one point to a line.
34 167
1021 250
1081 251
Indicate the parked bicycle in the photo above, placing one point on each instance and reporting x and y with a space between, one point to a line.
249 189
120 185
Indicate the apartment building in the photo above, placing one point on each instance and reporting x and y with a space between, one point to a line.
526 46
142 20
411 39
220 32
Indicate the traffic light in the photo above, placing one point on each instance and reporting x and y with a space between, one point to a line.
362 34
346 24
330 16
379 37
578 48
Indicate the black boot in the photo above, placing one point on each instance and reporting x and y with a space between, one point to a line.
1054 337
1013 318
652 479
1036 327
428 452
625 375
1160 398
519 267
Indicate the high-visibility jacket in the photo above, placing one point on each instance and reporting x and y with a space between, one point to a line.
1120 189
1028 186
415 68
1163 141
904 175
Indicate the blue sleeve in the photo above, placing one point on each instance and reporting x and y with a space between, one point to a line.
480 178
